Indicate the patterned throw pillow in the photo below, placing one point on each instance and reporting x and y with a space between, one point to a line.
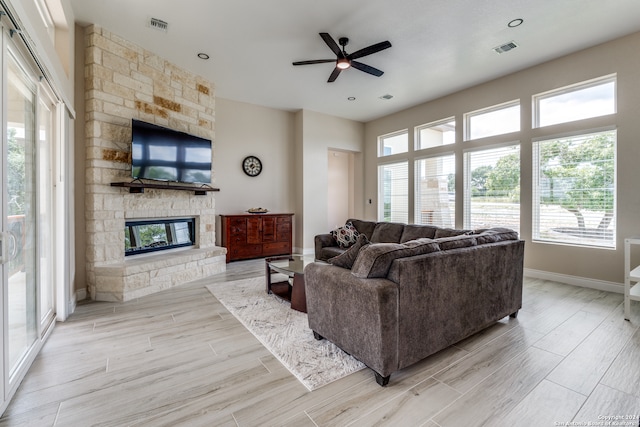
345 235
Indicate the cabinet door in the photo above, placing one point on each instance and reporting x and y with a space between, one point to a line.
254 230
269 229
283 229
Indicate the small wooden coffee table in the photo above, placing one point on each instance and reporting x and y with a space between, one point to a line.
291 290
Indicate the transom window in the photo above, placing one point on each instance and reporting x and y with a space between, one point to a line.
582 101
435 134
496 120
393 143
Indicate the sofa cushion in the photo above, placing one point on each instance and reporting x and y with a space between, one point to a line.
414 231
449 232
496 234
375 259
345 235
363 227
387 232
455 242
348 257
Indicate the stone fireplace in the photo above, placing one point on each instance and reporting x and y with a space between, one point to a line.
124 81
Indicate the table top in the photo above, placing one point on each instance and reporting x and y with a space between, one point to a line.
289 264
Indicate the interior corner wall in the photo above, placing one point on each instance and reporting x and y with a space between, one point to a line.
319 133
618 56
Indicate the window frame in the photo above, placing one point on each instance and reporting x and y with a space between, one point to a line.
536 191
502 106
381 194
416 187
575 87
466 180
381 139
417 129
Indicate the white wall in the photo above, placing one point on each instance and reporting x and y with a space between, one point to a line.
320 133
293 148
340 201
244 129
619 56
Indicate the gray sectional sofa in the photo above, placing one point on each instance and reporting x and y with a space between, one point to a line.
411 292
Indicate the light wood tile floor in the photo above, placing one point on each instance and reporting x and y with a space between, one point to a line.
179 358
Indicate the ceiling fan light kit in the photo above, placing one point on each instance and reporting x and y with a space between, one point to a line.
344 60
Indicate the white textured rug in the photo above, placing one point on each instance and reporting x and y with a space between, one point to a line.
284 332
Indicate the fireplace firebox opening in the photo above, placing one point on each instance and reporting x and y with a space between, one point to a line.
158 234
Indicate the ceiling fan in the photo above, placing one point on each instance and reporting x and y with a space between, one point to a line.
344 60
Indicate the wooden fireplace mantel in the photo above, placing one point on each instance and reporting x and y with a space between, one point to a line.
138 187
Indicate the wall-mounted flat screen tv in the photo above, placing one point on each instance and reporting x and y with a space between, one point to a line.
168 155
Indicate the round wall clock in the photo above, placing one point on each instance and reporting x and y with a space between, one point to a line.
252 166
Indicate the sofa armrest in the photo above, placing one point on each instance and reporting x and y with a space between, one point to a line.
358 315
322 241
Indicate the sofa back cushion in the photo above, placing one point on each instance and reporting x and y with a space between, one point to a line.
449 232
363 227
496 234
455 242
387 232
374 260
414 231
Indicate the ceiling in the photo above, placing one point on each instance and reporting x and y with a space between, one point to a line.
438 46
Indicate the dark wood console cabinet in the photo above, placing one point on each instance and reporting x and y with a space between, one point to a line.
256 235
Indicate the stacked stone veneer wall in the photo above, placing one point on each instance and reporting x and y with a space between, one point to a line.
124 81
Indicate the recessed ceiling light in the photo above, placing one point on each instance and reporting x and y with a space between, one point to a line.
387 96
516 22
203 56
351 98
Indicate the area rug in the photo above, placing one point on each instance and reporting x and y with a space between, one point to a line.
285 333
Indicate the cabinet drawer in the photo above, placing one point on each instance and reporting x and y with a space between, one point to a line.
283 219
246 251
276 248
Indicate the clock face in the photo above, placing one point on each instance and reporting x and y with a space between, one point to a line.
252 166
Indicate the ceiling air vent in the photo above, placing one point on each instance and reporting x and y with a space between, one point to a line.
506 47
158 24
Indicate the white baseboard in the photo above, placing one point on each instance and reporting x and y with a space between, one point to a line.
584 282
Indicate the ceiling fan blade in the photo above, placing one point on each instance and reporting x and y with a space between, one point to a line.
367 68
315 61
369 50
334 75
332 44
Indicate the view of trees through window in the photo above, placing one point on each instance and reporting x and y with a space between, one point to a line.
492 190
576 189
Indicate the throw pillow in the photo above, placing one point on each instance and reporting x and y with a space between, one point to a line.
345 235
348 257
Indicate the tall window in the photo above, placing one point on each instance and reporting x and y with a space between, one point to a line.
582 101
496 120
393 191
492 188
435 179
575 189
393 143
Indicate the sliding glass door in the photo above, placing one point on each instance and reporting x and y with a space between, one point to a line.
27 270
